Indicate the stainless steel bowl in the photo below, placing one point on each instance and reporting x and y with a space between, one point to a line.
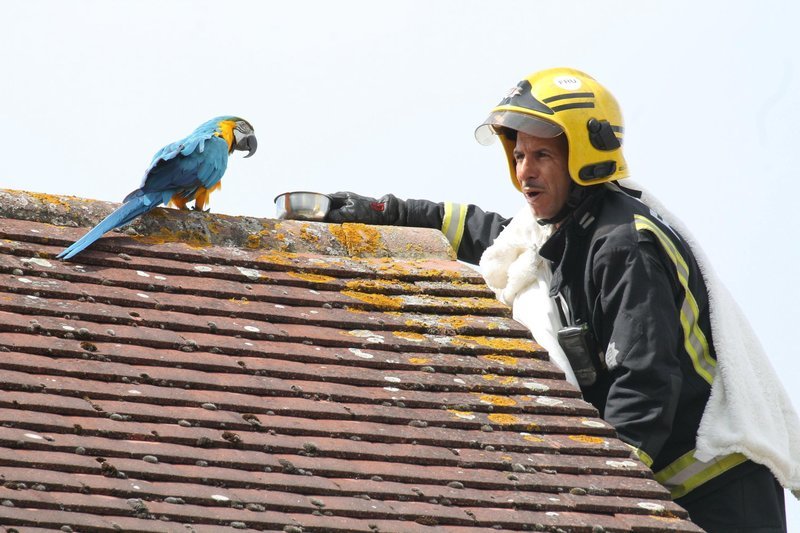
302 205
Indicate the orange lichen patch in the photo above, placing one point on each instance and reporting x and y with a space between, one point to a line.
278 258
532 427
503 419
356 310
410 269
164 235
214 227
409 336
586 439
378 300
502 359
466 415
256 240
496 343
382 285
51 199
419 360
315 278
238 301
532 438
415 248
503 380
501 401
468 303
360 240
307 235
454 323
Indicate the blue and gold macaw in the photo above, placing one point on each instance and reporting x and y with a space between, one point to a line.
186 170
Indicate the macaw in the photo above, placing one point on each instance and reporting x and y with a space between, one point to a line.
186 170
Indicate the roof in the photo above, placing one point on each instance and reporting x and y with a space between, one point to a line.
201 373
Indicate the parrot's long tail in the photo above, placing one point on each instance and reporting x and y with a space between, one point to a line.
137 205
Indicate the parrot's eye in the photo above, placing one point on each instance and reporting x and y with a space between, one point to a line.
244 127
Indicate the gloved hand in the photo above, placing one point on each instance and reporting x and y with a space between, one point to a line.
352 207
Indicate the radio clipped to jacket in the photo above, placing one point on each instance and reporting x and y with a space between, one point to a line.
577 343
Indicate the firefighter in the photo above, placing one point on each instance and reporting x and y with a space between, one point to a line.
615 290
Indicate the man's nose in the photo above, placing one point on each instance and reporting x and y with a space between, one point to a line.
526 170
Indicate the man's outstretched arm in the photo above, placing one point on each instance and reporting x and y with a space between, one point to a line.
469 229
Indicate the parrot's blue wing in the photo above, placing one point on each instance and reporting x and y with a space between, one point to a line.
182 171
185 173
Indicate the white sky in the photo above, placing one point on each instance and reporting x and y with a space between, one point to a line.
379 97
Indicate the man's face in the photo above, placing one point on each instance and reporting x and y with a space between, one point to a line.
543 173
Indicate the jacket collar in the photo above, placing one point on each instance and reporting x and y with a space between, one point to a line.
563 247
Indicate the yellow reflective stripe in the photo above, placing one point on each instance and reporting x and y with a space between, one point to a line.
455 216
694 340
687 473
641 454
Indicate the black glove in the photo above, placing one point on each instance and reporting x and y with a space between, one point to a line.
352 207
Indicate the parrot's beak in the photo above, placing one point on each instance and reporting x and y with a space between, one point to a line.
249 143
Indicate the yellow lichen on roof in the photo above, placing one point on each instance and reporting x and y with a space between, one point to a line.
503 419
381 284
407 268
192 239
500 401
452 323
409 335
497 343
51 199
378 300
314 278
473 302
279 258
503 380
502 359
307 235
360 240
419 360
532 438
586 439
254 239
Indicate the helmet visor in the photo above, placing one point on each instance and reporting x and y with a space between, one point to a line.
486 132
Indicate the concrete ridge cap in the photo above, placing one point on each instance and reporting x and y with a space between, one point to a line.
215 229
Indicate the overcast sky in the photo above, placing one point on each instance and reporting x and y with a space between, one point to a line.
379 97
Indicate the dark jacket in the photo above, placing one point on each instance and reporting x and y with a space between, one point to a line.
635 282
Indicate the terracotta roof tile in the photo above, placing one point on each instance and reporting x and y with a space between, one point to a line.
207 373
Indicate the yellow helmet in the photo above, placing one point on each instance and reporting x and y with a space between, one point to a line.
563 100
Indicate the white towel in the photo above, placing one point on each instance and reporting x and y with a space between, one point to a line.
514 270
748 411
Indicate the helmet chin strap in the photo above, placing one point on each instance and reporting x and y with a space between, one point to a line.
576 195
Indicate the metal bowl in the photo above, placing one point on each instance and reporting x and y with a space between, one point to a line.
302 205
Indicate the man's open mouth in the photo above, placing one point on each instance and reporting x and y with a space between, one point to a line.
531 193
